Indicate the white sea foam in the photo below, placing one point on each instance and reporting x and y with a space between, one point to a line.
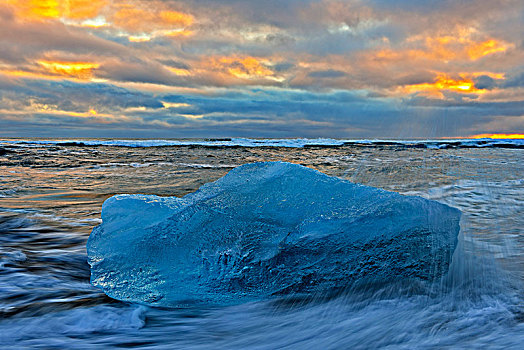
58 326
207 166
290 143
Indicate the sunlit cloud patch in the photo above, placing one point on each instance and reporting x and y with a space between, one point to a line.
333 68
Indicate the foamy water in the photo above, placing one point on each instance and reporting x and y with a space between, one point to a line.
50 198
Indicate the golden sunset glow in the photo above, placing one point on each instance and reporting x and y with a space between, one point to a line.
81 70
176 33
49 75
176 18
498 136
311 64
179 71
54 110
478 50
462 43
136 19
54 9
37 9
245 68
444 82
439 48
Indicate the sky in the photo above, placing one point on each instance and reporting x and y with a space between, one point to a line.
253 68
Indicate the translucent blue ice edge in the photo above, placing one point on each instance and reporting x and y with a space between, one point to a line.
266 230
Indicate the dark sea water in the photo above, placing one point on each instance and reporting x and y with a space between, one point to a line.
51 192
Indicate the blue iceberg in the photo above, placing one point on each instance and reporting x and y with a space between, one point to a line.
263 230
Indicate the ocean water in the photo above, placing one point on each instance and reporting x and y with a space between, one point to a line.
51 192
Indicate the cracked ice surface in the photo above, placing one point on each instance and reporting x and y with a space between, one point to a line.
263 230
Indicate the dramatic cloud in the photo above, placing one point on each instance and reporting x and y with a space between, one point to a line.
312 68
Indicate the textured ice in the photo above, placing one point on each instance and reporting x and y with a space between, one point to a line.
263 230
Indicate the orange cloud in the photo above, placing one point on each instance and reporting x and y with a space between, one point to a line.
462 85
448 48
85 9
146 20
179 71
463 43
56 9
245 68
441 48
141 22
442 83
33 9
497 136
478 50
80 70
176 18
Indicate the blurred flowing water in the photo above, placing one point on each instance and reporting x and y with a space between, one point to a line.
51 195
